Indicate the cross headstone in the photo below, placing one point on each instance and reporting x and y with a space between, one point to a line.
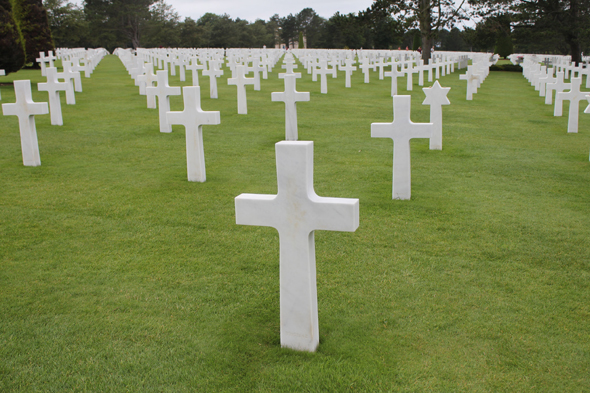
410 71
290 97
348 69
559 85
401 130
26 109
53 87
194 67
42 60
69 76
472 81
394 74
193 118
573 96
436 97
296 212
240 81
323 70
213 73
163 91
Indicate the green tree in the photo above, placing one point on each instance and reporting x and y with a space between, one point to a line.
12 52
504 46
429 16
117 22
312 25
162 27
289 29
543 20
67 22
31 19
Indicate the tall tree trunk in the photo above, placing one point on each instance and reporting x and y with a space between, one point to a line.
425 19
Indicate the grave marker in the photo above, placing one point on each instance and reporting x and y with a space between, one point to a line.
436 97
573 96
26 109
290 97
296 212
163 91
240 81
193 118
401 130
53 87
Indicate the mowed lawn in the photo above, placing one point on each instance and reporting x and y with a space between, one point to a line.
117 274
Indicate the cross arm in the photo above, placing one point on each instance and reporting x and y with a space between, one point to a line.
255 209
336 214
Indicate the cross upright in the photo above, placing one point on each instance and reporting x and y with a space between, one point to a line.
472 81
289 66
348 69
256 70
401 130
213 73
296 212
163 91
544 80
558 85
393 74
240 81
573 96
150 79
194 67
436 97
193 118
410 71
365 66
42 60
381 64
53 87
323 70
69 77
290 97
26 109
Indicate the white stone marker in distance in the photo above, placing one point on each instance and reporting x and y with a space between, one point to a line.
436 97
193 118
401 130
296 212
53 87
290 97
26 109
163 91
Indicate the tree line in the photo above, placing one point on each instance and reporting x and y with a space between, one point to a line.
503 26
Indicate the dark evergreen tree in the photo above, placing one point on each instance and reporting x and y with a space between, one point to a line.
31 18
12 53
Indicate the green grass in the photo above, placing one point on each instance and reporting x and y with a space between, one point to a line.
117 274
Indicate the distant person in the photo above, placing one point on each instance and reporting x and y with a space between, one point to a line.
419 49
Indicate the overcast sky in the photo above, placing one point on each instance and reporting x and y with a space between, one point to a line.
262 9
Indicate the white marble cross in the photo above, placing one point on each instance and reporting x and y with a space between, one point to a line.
472 82
163 91
436 97
213 73
42 60
193 118
348 69
573 96
410 71
296 212
290 97
289 66
69 77
240 81
194 66
150 79
401 130
26 110
393 74
365 66
559 85
53 87
323 70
